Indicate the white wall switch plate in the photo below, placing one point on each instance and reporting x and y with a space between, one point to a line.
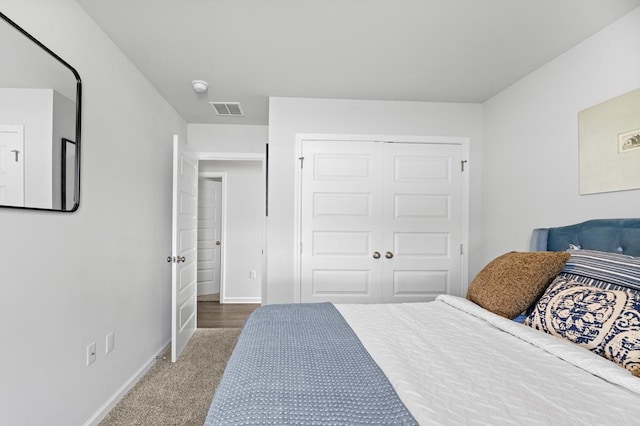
108 344
91 353
252 274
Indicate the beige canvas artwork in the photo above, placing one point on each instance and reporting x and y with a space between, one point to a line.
609 145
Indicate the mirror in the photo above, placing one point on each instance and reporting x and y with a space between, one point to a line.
40 98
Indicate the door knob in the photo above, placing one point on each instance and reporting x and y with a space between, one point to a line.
376 255
388 255
217 243
180 259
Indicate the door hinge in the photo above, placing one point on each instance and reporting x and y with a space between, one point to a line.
300 247
461 248
462 163
301 161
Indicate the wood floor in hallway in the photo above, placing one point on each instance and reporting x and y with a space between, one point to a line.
228 315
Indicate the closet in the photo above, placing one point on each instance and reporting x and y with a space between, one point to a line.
380 221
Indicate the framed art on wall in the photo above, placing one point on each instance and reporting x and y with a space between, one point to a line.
609 138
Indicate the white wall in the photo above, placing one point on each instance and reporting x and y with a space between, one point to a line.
243 227
69 279
227 138
290 116
530 156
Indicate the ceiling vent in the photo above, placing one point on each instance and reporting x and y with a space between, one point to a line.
229 109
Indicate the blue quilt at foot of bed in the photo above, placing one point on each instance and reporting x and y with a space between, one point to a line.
301 364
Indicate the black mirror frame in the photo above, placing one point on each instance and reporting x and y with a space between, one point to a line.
78 119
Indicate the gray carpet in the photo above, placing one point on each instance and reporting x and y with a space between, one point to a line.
180 393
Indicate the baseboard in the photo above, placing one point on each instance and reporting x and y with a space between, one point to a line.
102 412
241 300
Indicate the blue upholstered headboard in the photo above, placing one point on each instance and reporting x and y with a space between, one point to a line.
610 235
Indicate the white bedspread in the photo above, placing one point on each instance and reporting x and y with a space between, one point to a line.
452 362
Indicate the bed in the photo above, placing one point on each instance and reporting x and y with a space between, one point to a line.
550 336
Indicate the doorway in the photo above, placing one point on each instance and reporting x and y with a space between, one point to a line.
231 222
183 259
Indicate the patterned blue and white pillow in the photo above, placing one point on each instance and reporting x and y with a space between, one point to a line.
604 321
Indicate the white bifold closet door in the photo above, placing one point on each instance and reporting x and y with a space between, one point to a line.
381 222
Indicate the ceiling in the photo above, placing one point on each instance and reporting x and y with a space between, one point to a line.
408 50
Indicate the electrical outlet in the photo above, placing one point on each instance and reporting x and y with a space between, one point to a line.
108 344
91 353
252 274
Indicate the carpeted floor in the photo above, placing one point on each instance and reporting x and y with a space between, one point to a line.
180 393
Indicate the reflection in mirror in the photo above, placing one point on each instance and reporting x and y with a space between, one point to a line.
39 125
67 175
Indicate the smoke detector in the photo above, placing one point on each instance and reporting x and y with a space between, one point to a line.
200 86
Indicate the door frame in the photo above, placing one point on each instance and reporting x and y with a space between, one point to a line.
223 224
241 156
297 222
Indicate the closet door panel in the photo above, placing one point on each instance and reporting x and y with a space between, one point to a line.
340 222
421 221
416 282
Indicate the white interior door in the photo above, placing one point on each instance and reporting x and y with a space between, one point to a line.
422 221
341 217
11 165
209 234
380 222
184 248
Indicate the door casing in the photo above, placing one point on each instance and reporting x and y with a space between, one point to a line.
297 223
217 156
